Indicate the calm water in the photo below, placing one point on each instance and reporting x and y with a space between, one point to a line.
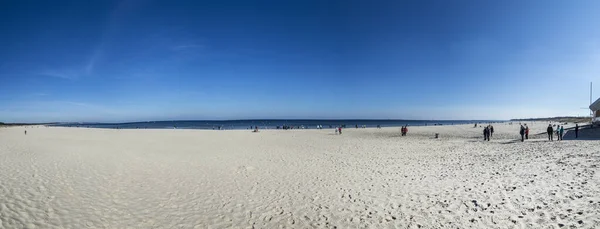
268 124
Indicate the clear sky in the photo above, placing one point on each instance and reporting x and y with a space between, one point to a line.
114 61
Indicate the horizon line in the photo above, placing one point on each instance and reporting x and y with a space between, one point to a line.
233 120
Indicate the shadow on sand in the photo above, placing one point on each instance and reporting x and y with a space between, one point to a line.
584 134
511 142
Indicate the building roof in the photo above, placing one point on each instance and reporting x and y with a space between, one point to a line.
596 105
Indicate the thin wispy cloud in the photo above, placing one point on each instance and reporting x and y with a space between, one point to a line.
37 95
186 47
90 106
89 67
76 72
68 75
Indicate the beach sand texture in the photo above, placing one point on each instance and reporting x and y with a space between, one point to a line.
366 178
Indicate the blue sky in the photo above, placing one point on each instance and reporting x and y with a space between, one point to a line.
114 61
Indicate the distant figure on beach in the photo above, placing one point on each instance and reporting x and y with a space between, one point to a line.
491 131
404 130
561 132
526 132
486 134
576 130
558 132
356 126
255 129
25 132
475 125
550 131
522 132
340 130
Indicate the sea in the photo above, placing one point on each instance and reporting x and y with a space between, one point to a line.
270 124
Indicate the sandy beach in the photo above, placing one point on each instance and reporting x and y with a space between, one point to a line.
57 177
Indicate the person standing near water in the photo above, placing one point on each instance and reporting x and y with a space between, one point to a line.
526 132
550 131
491 131
576 130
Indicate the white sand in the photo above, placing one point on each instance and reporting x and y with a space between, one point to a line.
365 178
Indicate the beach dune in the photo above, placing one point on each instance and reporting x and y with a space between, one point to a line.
56 177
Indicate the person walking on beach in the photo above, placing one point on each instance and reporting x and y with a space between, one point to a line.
558 132
561 132
522 132
526 132
486 134
550 132
405 130
576 130
491 131
340 130
25 132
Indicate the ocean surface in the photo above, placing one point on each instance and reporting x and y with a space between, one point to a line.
269 124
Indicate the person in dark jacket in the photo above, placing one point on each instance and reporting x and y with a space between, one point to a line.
491 131
550 132
522 132
576 130
486 134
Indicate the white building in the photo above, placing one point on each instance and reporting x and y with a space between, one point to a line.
595 107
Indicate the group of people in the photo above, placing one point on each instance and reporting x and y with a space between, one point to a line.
338 130
559 132
404 130
524 132
291 127
488 132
